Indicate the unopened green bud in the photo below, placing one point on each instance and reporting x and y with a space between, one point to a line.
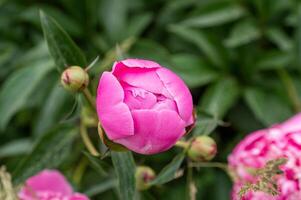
203 148
75 79
144 175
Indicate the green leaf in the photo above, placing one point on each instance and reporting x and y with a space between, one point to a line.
171 12
266 106
220 97
216 17
298 37
124 165
6 53
202 41
55 108
138 24
168 173
61 47
95 163
145 48
205 125
31 15
18 87
242 33
279 37
194 71
113 15
15 147
49 152
273 60
37 52
103 186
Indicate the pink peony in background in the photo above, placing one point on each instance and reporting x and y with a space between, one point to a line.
281 140
48 185
143 106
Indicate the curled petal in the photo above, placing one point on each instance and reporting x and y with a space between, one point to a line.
140 63
155 131
140 76
137 98
166 104
114 114
179 91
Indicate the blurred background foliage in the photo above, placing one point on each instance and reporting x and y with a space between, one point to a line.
240 58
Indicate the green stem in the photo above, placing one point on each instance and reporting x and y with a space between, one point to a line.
89 98
291 89
80 170
182 144
191 189
87 142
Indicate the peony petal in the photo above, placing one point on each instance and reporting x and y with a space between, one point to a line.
141 77
166 104
78 196
155 131
137 98
254 151
140 63
114 115
47 180
249 143
181 94
292 125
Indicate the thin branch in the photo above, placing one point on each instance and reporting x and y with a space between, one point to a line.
87 142
89 98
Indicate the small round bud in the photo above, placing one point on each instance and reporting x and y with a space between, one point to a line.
75 79
144 175
203 148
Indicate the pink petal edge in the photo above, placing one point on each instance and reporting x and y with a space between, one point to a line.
180 93
114 115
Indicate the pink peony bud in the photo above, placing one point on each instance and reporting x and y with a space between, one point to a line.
144 175
203 148
143 106
279 141
49 185
75 79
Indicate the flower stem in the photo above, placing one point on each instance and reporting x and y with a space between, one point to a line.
210 164
89 98
191 188
86 139
291 89
79 170
182 144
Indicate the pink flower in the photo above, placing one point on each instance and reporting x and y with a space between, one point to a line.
48 185
281 140
143 106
